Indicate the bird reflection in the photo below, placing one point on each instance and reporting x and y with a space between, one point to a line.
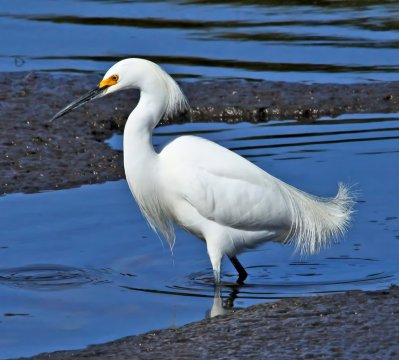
220 305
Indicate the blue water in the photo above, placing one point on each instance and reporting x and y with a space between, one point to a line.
81 266
335 41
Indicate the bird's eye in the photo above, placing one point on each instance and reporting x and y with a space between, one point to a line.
115 78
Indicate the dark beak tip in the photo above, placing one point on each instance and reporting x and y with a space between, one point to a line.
91 95
56 116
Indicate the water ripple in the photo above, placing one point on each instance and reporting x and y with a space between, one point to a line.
49 277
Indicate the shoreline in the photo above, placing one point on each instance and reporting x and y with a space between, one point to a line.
351 325
40 155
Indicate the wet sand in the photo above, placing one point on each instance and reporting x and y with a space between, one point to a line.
38 155
355 325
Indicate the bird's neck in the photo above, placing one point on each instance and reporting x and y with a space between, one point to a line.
138 151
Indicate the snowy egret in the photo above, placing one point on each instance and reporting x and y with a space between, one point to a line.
205 188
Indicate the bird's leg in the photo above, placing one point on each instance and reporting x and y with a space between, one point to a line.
216 275
242 274
216 258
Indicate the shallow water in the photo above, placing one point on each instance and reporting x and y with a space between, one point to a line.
334 41
81 266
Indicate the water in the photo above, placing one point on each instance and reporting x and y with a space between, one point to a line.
81 266
334 41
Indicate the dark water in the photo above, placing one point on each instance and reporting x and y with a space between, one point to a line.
81 266
314 41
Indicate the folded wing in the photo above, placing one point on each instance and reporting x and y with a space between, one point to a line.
226 188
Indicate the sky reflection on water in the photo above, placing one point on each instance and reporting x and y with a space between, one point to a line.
81 265
342 42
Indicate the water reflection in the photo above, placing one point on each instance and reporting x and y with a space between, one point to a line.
336 41
222 306
262 285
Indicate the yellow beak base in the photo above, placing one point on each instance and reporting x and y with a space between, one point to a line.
108 82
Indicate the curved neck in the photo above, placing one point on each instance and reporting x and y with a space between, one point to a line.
138 150
148 112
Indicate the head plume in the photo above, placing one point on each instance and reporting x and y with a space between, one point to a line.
176 101
148 77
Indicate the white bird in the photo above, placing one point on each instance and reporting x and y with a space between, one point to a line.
207 189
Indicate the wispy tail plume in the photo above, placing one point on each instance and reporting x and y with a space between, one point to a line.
317 222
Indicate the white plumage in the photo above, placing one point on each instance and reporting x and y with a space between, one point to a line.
205 188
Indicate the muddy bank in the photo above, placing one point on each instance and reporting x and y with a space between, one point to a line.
39 155
355 325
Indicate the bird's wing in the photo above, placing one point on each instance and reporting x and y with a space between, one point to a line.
223 186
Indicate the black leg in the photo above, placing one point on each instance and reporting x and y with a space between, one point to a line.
242 274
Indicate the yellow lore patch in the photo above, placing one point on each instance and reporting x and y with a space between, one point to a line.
112 80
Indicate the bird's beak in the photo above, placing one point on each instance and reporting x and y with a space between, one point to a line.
91 95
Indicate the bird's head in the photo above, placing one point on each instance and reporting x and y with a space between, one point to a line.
134 73
125 74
